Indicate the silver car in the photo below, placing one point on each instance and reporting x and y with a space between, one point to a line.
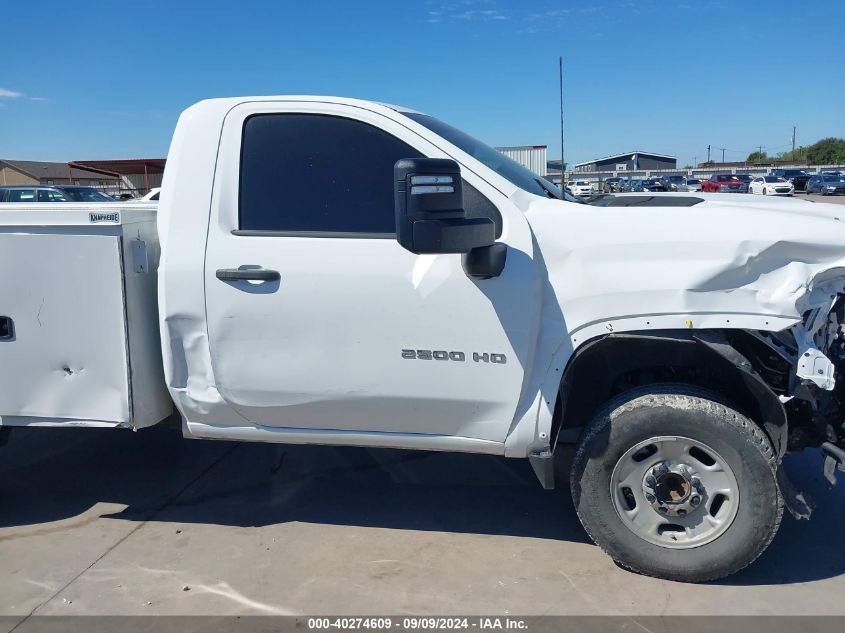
690 184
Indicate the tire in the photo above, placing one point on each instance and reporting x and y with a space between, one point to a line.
765 193
670 417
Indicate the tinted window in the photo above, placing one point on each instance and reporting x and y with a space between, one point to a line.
51 195
86 194
21 195
309 172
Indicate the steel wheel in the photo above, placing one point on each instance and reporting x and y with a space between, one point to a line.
675 492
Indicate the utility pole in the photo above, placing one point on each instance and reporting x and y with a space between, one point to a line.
723 153
708 153
695 161
793 141
560 59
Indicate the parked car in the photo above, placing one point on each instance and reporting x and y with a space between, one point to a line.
746 178
690 184
612 184
32 193
826 184
647 184
676 340
580 188
798 177
152 195
771 186
672 182
726 183
78 193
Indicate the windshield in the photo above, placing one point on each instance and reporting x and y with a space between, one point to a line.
693 181
833 178
83 194
675 178
773 179
509 169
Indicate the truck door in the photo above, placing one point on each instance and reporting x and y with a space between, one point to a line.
318 319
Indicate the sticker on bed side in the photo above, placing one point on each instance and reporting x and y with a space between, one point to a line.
113 217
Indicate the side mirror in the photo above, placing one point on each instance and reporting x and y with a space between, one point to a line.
430 215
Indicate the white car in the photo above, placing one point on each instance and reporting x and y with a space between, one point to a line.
771 186
580 188
152 195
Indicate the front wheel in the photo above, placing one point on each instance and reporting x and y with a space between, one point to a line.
672 483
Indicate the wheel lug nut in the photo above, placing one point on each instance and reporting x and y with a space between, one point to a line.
681 512
650 481
695 500
663 509
650 498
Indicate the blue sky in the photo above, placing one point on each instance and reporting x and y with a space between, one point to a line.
108 80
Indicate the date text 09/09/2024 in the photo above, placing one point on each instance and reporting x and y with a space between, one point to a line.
414 623
427 354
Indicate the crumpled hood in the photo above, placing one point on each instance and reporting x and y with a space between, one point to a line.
730 261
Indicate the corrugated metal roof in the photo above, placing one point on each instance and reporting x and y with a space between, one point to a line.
125 166
42 169
625 155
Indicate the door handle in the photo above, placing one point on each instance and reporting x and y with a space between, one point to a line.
247 274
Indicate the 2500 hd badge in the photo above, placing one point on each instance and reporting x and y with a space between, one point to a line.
427 354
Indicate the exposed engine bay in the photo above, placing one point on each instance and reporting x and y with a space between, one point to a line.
807 372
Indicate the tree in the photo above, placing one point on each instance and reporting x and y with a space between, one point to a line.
828 151
757 157
799 154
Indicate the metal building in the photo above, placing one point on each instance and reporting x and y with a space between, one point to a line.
629 161
531 156
36 172
135 176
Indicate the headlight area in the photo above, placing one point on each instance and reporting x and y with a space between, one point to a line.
805 367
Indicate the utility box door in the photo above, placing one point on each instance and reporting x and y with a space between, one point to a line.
65 354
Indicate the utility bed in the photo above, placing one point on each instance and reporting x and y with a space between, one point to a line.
79 337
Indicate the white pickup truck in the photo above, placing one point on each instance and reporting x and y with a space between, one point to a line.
333 271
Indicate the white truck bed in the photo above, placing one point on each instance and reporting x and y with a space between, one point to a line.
79 337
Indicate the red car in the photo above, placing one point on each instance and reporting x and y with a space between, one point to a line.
725 183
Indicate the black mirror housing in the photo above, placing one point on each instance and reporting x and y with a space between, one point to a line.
430 217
